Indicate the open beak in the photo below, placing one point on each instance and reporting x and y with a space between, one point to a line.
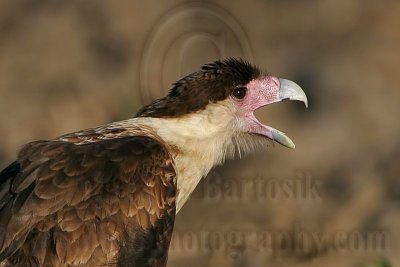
288 91
276 90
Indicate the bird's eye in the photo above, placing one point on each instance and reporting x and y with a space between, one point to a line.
239 92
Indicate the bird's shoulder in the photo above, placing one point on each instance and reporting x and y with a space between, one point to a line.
85 188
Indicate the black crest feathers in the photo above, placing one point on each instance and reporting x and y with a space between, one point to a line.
213 82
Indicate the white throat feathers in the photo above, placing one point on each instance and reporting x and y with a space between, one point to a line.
203 139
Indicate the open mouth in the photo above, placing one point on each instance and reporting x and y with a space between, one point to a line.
285 90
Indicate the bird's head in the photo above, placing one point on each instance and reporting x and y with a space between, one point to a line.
223 96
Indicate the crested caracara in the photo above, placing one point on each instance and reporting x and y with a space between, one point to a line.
107 196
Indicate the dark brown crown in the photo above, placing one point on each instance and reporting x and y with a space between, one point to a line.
214 82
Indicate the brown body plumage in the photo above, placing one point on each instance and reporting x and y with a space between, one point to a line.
86 199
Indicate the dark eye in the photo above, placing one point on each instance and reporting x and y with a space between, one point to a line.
239 92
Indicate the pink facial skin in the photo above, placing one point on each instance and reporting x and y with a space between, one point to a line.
260 92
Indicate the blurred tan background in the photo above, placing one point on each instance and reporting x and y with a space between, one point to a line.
334 201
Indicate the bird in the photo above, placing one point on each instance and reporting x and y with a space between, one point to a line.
108 195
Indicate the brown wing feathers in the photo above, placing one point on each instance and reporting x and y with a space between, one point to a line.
87 204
